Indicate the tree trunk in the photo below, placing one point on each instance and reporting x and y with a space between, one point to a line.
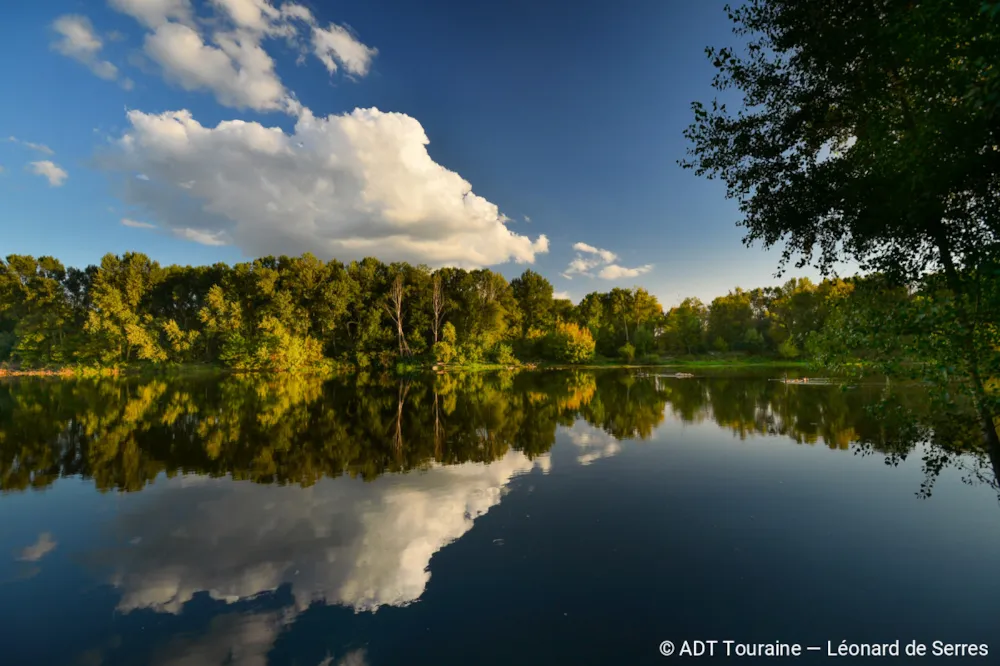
994 453
438 430
967 340
438 305
397 438
396 294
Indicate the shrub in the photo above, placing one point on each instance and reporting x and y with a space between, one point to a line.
753 340
571 343
444 352
787 349
448 333
627 352
281 350
469 353
504 355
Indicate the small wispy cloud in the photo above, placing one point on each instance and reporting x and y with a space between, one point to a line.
79 41
40 147
202 237
51 171
605 255
136 224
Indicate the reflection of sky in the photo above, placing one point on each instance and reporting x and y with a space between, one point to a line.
691 500
359 544
592 443
344 541
362 545
36 551
237 639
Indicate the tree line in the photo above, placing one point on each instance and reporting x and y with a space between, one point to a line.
297 313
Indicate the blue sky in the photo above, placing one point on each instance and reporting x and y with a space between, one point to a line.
566 122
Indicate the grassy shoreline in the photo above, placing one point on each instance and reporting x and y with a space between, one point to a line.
418 366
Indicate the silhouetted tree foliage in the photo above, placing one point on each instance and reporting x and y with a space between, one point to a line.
869 130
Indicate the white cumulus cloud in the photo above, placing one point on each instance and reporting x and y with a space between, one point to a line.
238 70
352 185
335 44
154 13
615 272
589 257
78 40
50 170
225 55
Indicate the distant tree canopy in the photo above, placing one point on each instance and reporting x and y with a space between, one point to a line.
870 130
300 313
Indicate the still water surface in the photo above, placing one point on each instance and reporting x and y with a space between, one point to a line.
543 518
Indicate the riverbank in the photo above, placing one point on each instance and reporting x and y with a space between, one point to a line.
696 362
38 372
418 366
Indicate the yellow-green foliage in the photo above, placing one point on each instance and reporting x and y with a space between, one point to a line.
571 343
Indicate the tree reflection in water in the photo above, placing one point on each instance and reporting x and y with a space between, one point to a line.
297 429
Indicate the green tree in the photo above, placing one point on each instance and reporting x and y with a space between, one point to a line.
684 327
590 313
119 325
444 349
37 312
729 317
868 132
533 294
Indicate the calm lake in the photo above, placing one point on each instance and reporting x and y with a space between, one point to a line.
538 518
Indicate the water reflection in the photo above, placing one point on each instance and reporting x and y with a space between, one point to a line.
234 538
360 545
297 430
